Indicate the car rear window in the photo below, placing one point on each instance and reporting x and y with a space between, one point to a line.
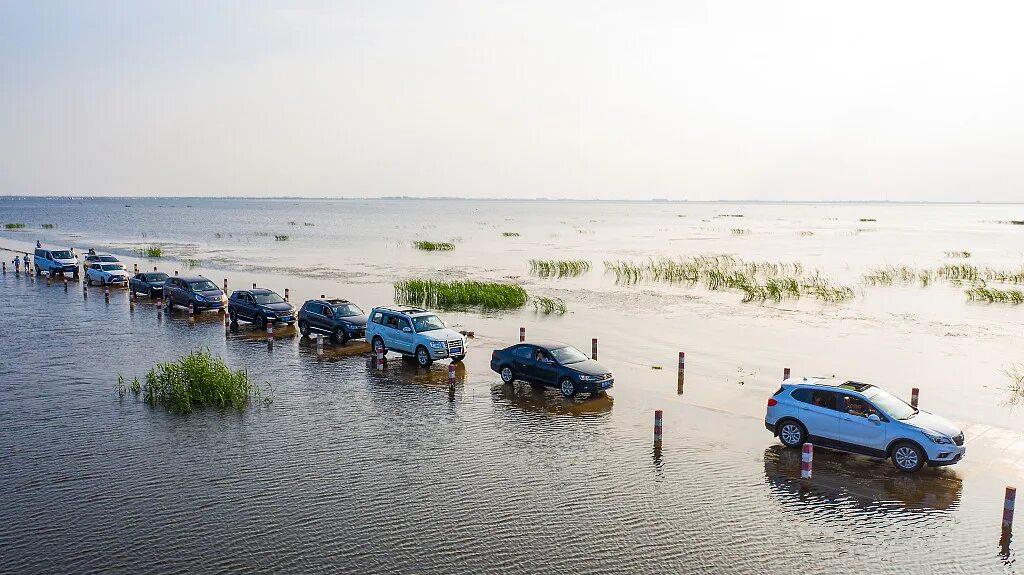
524 351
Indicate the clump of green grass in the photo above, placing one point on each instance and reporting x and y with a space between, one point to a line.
48 226
460 293
14 226
1016 386
868 220
198 379
559 268
150 252
308 224
548 305
994 295
510 234
957 273
191 263
958 254
739 232
280 237
433 246
759 281
806 233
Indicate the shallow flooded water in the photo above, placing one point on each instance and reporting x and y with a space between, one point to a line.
355 470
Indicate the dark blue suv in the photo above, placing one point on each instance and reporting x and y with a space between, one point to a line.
338 318
260 306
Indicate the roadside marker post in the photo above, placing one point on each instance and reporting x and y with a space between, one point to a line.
657 427
593 349
1008 504
227 324
319 344
806 461
785 373
286 297
65 284
522 334
914 393
106 294
451 380
380 359
682 369
154 268
159 307
191 311
253 285
322 296
225 285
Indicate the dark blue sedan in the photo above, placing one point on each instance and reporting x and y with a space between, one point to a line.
260 306
551 364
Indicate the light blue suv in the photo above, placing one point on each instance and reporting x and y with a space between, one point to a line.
861 418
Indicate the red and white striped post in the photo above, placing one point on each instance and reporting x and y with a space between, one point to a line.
270 330
253 285
191 311
175 272
806 461
380 359
593 349
106 294
65 284
1008 503
657 427
159 307
785 373
135 267
225 285
451 378
914 392
154 268
286 298
682 368
522 334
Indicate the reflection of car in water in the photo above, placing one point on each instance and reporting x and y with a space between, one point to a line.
844 479
538 400
861 418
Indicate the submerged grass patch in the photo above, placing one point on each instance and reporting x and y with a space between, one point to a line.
559 268
280 238
510 234
460 293
958 254
150 252
739 231
14 226
433 246
198 379
549 305
191 263
758 280
48 226
994 295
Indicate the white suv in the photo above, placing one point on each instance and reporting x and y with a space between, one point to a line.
861 418
416 332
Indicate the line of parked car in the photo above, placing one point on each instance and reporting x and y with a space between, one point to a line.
851 416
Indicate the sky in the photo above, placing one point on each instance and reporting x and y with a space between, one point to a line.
723 100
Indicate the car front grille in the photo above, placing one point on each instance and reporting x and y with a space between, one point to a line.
958 439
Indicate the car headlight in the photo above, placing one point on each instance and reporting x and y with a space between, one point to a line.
585 377
940 439
437 344
200 298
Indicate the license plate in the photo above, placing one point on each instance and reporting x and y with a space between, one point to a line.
606 383
286 318
455 350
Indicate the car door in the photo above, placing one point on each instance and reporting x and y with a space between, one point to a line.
176 292
404 335
856 428
326 318
522 362
546 369
819 413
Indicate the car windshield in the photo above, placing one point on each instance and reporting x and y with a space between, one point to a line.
111 267
265 298
157 277
347 310
890 404
427 323
61 255
203 285
567 355
108 259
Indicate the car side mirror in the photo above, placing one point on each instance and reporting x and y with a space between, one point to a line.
407 329
873 418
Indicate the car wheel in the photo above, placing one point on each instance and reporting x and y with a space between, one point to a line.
152 294
338 336
304 328
907 457
261 321
791 433
232 316
75 274
378 345
458 358
568 387
423 357
507 375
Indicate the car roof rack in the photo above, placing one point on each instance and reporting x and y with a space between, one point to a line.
406 309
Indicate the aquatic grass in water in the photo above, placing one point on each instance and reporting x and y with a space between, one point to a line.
958 254
739 232
198 379
48 226
150 252
280 238
191 263
994 295
14 226
510 234
548 305
433 246
460 293
868 220
559 268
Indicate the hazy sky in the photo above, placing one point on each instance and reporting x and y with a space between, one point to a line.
758 99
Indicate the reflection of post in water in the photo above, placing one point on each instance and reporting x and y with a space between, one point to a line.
1009 502
1004 544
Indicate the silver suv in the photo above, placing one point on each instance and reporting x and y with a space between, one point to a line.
861 418
416 332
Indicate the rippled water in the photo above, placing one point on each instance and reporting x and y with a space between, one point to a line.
351 470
